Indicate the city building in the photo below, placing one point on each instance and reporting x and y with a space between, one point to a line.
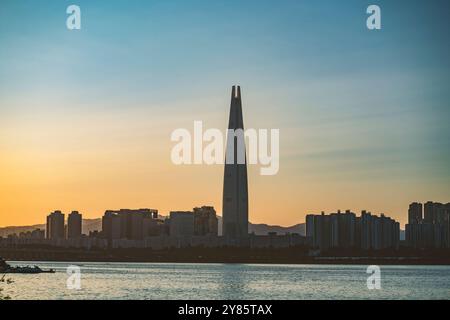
435 212
141 224
36 234
55 225
343 229
131 224
415 213
235 185
181 224
318 230
74 225
364 230
111 225
346 231
431 232
205 221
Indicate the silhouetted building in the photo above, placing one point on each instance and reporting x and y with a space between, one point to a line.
74 225
36 234
235 187
435 212
131 224
181 224
111 225
364 230
55 225
343 229
205 221
94 234
318 230
415 213
431 232
346 231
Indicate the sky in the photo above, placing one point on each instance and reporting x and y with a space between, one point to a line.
86 115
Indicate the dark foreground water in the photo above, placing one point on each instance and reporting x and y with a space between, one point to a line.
227 281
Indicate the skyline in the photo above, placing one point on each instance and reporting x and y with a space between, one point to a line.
362 115
167 214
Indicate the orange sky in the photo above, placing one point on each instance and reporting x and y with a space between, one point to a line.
98 163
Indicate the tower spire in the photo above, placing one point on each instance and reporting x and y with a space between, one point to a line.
235 186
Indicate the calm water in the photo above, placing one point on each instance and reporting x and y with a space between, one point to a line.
226 281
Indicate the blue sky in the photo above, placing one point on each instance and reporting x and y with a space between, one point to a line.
353 105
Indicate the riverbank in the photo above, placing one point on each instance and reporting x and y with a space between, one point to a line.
218 255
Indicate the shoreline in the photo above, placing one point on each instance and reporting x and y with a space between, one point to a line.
290 256
330 261
258 263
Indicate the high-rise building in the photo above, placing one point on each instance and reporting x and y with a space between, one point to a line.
55 225
365 234
343 229
205 221
235 187
318 230
346 231
131 224
434 212
431 232
181 224
111 225
415 213
74 222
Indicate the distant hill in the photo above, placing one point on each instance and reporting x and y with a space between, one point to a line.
96 224
4 232
88 225
264 229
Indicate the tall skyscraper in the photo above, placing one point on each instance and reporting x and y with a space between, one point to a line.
74 222
235 187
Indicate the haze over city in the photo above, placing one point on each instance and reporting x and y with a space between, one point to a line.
85 118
